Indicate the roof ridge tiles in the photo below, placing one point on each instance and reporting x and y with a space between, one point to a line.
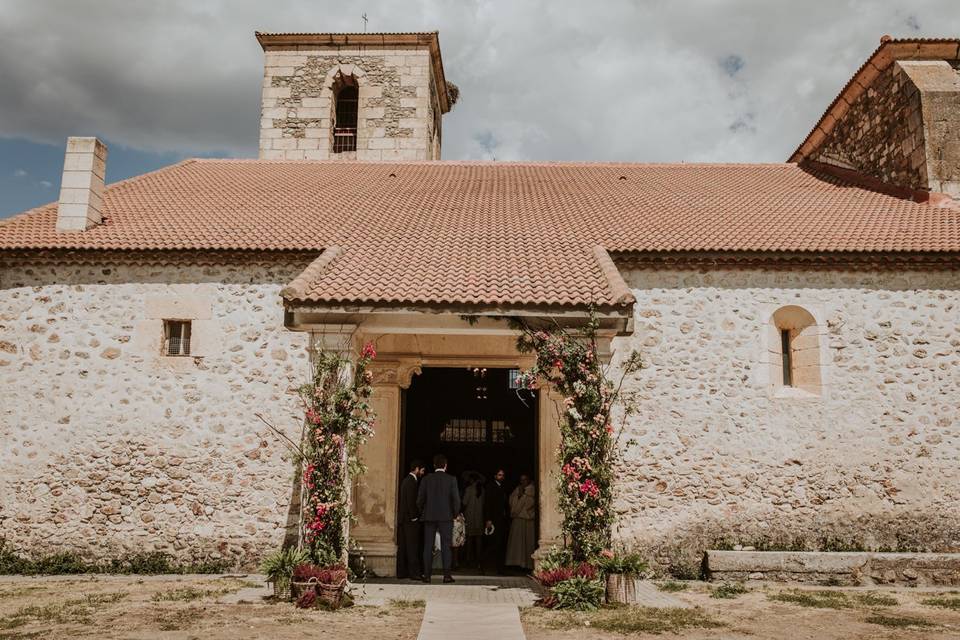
493 163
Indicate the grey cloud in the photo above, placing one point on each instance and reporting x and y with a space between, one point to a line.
546 80
731 64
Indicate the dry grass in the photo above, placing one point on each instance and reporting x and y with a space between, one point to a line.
834 599
408 604
75 611
944 602
899 622
625 620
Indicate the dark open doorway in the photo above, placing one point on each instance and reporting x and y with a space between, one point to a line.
475 417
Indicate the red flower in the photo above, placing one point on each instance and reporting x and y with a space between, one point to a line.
368 351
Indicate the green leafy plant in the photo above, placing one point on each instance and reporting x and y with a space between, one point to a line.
671 586
279 566
557 558
625 562
578 594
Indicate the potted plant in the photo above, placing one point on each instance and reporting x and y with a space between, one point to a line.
278 568
327 583
621 569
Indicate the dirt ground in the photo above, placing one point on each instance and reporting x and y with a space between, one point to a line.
178 607
184 607
767 611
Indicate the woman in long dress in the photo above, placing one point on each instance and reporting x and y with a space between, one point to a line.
522 540
473 514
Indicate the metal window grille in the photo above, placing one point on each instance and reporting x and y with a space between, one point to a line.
501 431
177 334
345 126
464 430
785 356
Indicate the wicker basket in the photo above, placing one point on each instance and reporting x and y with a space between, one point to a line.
622 588
331 594
297 589
281 589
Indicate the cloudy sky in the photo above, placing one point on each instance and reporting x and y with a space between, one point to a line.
626 80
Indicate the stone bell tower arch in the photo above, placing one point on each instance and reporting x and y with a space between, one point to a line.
340 96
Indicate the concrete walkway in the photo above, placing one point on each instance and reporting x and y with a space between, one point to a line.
456 620
518 591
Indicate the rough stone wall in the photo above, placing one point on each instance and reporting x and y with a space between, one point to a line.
109 446
882 133
396 98
719 460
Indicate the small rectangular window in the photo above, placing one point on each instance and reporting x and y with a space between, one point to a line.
785 356
176 337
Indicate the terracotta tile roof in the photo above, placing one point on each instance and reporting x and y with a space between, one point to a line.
490 233
889 51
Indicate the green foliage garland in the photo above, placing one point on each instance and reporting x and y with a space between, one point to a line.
338 420
570 363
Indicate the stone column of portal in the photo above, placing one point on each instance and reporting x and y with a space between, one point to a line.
549 442
375 493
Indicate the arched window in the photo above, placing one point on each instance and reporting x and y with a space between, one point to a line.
346 105
794 350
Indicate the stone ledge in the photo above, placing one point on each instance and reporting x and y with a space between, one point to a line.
846 568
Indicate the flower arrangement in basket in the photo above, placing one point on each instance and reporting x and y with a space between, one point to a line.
327 584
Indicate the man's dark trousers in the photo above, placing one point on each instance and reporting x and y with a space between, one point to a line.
411 535
430 529
438 498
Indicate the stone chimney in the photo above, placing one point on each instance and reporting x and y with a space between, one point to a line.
81 189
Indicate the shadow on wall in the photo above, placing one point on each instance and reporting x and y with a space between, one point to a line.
726 275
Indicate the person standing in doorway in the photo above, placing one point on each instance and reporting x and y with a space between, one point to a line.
522 541
473 519
409 533
495 516
439 501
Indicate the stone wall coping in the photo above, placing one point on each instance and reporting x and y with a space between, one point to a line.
812 561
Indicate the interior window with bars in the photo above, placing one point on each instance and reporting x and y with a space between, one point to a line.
176 335
464 430
501 431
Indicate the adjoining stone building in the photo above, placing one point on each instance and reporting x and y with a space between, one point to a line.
800 322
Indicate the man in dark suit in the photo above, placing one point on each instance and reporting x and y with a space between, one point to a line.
439 503
495 512
409 528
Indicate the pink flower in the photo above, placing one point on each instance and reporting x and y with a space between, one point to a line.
368 351
590 488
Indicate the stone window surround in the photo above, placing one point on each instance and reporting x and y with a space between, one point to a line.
811 384
194 305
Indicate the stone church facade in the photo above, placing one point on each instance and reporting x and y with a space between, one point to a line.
799 322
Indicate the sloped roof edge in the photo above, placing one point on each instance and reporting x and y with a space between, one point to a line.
889 51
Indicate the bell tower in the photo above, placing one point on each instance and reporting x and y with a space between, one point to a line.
352 96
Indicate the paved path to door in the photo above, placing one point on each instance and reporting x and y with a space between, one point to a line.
460 621
467 590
